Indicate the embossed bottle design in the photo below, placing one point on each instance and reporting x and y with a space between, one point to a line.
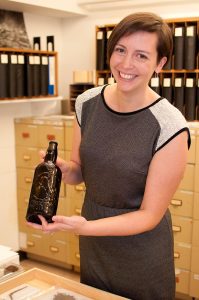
45 189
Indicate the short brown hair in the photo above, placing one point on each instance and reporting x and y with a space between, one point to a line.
143 21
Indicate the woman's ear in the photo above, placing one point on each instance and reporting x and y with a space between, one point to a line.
161 64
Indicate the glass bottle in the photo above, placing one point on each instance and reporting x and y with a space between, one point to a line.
45 189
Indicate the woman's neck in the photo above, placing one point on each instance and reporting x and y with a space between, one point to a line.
128 102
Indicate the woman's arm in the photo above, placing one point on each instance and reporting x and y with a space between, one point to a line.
165 173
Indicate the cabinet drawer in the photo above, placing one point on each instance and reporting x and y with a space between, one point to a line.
62 206
26 135
182 281
195 235
68 134
22 199
187 182
194 285
24 178
197 147
196 183
48 133
74 256
36 244
182 203
192 150
27 157
182 255
195 259
57 250
74 239
196 206
76 192
182 229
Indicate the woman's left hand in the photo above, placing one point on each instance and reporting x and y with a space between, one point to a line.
73 224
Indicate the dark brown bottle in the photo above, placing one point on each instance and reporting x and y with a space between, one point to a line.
45 189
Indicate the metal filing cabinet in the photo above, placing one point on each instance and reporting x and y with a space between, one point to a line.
184 209
33 134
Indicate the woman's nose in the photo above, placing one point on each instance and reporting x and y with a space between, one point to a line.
128 61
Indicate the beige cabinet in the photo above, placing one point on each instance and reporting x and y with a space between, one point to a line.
184 209
33 134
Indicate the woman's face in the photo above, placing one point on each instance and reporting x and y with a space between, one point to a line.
134 60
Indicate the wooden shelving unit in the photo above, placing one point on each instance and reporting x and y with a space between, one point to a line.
6 71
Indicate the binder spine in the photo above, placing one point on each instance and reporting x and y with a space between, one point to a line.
20 76
167 89
36 76
4 76
179 48
155 84
190 48
12 75
44 75
179 94
101 56
190 99
29 75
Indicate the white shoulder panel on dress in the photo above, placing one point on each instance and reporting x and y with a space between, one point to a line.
170 120
87 95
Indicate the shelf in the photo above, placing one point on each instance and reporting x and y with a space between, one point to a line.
32 100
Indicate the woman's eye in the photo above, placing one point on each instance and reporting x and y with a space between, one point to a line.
119 50
142 56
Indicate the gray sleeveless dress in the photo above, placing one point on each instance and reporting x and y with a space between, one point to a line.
116 150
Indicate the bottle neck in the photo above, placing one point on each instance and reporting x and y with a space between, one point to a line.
51 154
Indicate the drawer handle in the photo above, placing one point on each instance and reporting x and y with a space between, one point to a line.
78 211
79 188
25 135
175 202
26 200
176 255
77 255
28 180
30 244
176 228
54 249
50 137
26 157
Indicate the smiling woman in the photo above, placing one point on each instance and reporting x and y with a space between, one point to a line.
130 148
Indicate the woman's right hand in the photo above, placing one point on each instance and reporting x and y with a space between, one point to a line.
61 163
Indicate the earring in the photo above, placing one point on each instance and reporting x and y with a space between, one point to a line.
111 79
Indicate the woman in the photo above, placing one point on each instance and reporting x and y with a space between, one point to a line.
130 148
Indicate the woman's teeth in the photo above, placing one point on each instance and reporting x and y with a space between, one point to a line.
127 76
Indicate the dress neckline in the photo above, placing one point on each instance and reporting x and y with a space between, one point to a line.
126 113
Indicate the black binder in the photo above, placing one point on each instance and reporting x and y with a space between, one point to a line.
37 76
20 76
167 89
29 66
179 48
190 48
179 94
36 43
12 74
197 99
101 55
106 64
190 99
44 75
4 76
50 45
155 84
